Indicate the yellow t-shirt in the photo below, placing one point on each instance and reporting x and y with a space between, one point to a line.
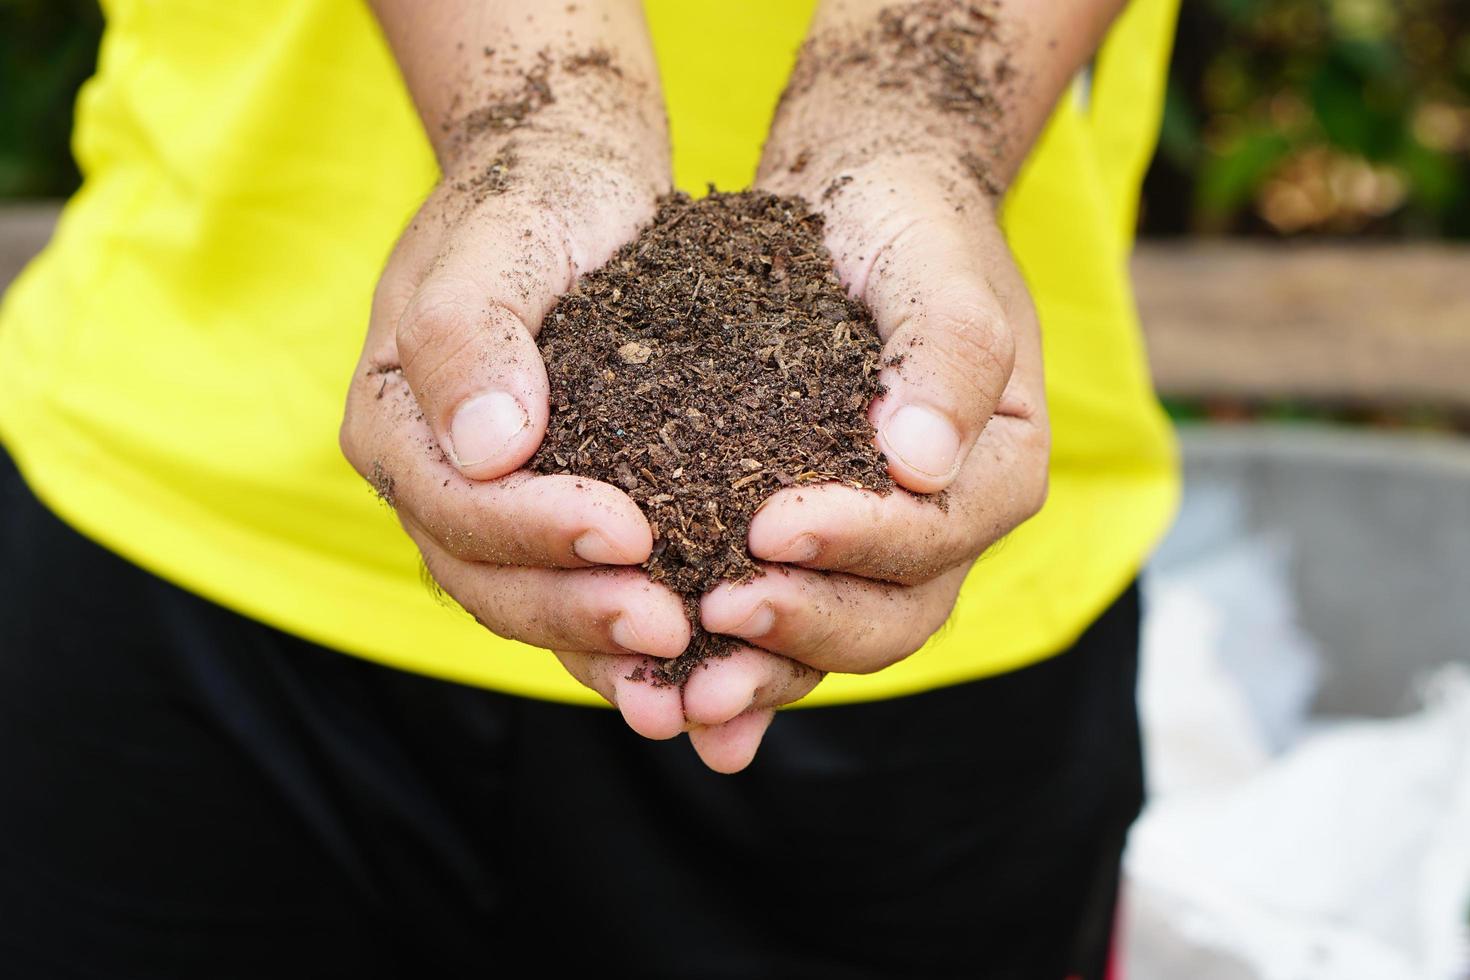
176 360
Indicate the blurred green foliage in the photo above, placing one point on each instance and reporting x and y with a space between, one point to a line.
47 49
1316 116
1283 117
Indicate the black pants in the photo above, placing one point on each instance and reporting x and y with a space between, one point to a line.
188 793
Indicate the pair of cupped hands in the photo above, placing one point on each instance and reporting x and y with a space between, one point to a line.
451 364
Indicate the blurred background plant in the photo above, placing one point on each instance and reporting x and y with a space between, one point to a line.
1290 117
47 49
1284 117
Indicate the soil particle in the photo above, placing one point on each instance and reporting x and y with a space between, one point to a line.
951 48
511 110
383 484
597 59
981 171
491 179
711 362
835 187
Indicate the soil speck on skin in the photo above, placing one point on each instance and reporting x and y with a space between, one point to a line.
597 59
714 360
510 111
491 179
940 55
835 188
383 484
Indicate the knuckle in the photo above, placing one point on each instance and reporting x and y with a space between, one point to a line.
431 335
349 440
823 645
1038 488
869 547
977 348
921 635
433 312
1036 468
1043 491
565 610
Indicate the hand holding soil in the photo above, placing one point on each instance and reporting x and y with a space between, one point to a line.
711 365
890 127
870 577
450 398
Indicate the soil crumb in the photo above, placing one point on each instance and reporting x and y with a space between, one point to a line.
383 483
491 178
711 362
512 110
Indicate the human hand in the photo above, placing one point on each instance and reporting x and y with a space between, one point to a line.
450 399
903 122
869 579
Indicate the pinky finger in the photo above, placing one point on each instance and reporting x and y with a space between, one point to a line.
653 711
730 747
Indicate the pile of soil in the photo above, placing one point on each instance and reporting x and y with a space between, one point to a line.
711 362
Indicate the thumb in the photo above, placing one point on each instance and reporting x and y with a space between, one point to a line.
466 342
948 353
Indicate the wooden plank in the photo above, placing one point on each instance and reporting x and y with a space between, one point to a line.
1382 324
24 230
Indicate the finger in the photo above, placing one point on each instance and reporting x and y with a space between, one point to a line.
947 355
832 622
597 610
948 348
652 710
466 342
748 679
517 520
903 538
730 747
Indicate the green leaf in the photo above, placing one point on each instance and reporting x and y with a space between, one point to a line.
1229 180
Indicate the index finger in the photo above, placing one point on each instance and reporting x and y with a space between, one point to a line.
904 538
521 519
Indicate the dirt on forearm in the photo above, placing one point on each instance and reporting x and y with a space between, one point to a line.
579 98
945 66
713 361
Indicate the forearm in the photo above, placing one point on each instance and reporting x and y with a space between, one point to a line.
966 85
482 72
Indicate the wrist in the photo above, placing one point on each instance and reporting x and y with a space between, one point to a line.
487 77
932 81
837 177
560 113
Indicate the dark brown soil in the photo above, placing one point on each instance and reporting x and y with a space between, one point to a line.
711 362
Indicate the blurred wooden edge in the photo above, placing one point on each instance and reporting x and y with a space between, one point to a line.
1362 324
1341 323
25 227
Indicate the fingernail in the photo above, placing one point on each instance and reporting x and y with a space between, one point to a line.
803 547
757 624
593 547
625 635
484 426
922 439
